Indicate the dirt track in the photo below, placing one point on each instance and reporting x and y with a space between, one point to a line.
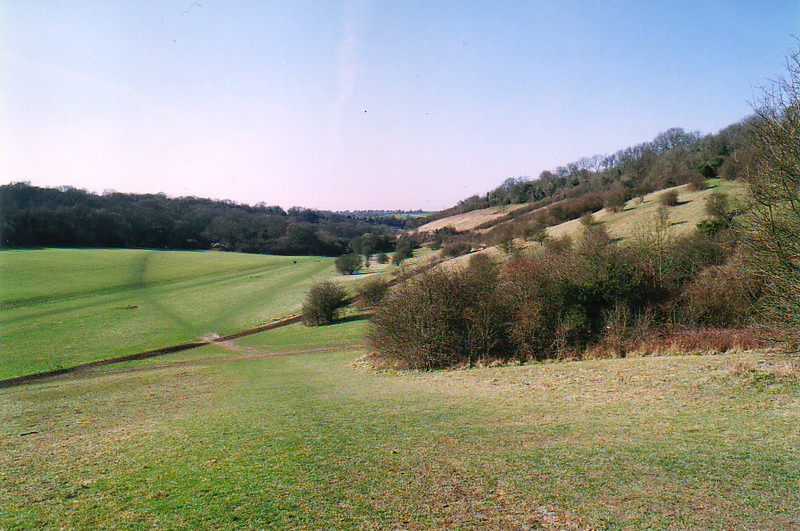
83 367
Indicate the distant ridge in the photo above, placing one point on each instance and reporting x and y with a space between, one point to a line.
374 213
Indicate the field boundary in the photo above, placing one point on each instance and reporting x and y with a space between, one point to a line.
31 378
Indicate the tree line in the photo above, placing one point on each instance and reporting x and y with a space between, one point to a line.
672 158
32 216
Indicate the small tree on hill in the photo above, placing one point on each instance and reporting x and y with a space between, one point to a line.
401 254
349 264
323 302
669 198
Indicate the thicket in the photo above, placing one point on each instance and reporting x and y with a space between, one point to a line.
595 297
31 216
772 225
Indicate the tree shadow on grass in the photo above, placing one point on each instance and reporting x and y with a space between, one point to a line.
352 318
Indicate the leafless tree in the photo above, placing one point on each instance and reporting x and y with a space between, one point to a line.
771 231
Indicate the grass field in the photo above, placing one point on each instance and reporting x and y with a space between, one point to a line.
317 441
286 429
61 307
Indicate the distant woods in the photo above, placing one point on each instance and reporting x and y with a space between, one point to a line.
31 216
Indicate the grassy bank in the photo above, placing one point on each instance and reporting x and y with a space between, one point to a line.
315 441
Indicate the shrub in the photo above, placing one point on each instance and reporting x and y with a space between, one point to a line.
709 169
615 200
458 248
560 245
719 208
669 198
349 264
696 183
722 296
401 254
507 245
372 292
323 302
442 318
382 258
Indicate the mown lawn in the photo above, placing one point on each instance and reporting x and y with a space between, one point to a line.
61 307
317 441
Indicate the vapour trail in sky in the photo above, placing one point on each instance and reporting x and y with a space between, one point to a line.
363 104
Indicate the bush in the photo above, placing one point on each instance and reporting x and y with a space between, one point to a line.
508 245
382 258
372 293
323 302
722 296
442 318
615 200
458 248
349 264
696 183
669 198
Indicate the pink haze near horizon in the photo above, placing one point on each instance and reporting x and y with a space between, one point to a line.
364 104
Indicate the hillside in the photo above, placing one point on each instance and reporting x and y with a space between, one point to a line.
637 215
470 220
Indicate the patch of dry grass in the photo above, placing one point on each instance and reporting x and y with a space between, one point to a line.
470 220
639 215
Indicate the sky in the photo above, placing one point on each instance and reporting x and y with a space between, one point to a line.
355 105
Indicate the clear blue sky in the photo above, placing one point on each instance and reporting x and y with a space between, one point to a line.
363 104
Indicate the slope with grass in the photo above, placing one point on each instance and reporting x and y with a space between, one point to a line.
62 307
638 216
470 220
314 441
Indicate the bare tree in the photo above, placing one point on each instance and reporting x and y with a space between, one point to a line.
771 231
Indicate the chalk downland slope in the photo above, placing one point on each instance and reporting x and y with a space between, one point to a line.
637 216
471 220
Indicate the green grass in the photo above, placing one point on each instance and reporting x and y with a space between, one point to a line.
287 430
316 441
61 307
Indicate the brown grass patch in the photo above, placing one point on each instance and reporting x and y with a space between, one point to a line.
462 502
470 220
678 342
